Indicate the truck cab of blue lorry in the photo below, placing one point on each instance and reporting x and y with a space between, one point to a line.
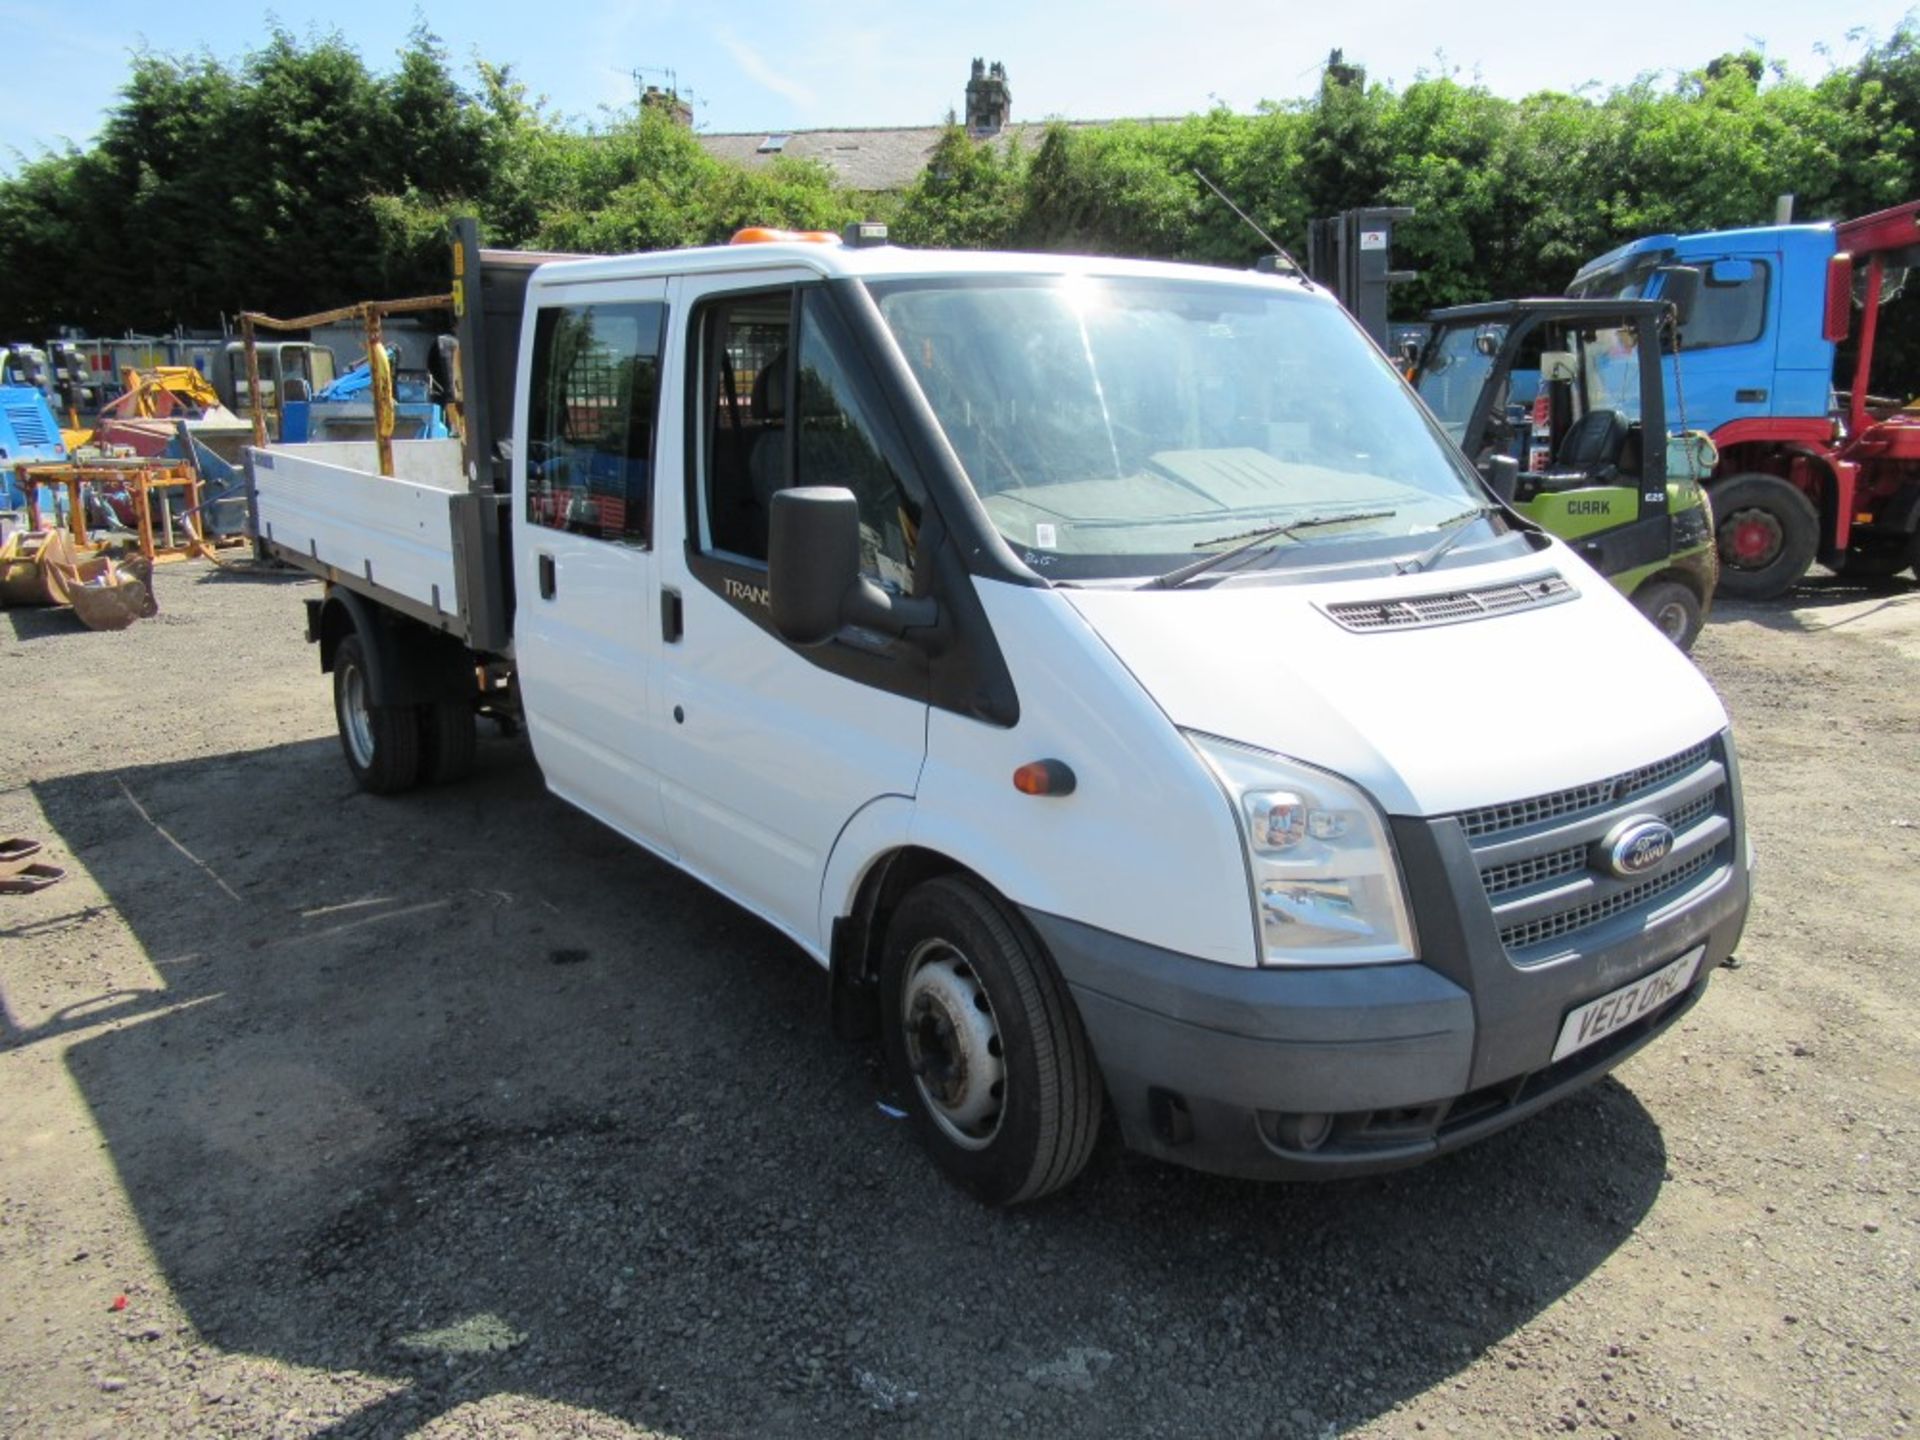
1812 466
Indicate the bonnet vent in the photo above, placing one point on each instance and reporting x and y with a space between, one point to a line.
1451 606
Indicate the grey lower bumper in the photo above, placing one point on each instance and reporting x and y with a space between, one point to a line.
1217 1068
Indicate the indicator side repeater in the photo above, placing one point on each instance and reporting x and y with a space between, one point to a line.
1044 777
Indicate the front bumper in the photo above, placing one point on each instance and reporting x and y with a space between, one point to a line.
1225 1070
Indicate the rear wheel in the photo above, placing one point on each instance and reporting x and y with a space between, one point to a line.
382 742
446 741
984 1043
1673 609
1767 534
1880 560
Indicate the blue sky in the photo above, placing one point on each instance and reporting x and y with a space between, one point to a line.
860 62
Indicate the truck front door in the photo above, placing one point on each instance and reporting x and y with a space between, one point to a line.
1730 342
587 638
769 750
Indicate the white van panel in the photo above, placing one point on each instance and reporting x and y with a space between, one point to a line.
1434 719
1146 845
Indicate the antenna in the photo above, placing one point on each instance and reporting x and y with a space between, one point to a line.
1277 248
666 73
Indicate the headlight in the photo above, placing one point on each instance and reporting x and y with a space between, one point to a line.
1326 888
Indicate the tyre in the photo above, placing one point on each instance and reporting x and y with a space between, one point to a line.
983 1041
1881 561
1767 534
1673 609
447 735
382 742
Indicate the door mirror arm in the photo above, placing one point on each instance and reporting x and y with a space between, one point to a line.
814 582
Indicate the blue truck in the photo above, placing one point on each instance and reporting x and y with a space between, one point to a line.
1812 466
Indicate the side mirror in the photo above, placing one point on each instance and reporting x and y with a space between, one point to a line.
1502 474
1680 288
814 584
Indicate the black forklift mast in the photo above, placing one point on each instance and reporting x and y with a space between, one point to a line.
1352 255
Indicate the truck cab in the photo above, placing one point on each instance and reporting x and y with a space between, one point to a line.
1810 467
1106 671
1753 347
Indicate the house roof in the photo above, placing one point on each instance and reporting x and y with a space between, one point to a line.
872 158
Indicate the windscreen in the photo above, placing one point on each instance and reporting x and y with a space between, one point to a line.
1454 371
1118 425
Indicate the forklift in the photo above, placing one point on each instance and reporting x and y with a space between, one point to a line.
1561 402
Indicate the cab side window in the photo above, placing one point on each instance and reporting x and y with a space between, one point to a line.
1730 311
838 443
745 394
788 401
592 412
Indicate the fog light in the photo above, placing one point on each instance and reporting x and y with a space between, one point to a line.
1302 1132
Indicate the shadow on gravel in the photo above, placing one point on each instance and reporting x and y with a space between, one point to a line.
477 1096
1816 593
240 568
35 622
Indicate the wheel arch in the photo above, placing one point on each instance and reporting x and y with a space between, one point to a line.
407 663
857 935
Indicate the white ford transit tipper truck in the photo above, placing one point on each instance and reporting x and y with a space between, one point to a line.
1106 670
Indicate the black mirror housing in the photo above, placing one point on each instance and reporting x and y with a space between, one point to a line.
1680 288
1502 474
814 584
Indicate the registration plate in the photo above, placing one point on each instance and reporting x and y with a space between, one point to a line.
1598 1019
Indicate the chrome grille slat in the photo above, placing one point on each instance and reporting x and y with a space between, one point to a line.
1535 869
1586 827
1586 886
1410 612
1491 820
1552 927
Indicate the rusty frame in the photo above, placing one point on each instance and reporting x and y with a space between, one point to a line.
369 313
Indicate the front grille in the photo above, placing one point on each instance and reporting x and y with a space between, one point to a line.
1540 863
1413 611
1552 927
1518 874
1563 804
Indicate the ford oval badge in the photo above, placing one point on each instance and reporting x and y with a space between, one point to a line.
1636 845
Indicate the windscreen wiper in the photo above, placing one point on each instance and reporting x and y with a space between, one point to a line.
1456 526
1179 575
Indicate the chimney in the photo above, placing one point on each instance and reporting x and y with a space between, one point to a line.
989 101
668 103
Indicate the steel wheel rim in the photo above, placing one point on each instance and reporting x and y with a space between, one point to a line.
1672 620
356 717
953 1044
1755 539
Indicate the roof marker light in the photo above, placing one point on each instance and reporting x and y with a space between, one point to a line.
767 235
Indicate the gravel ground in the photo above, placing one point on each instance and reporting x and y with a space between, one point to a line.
454 1115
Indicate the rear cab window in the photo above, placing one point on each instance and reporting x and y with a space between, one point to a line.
593 411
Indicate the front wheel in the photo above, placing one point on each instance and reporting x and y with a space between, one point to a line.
1673 609
382 742
1767 534
985 1045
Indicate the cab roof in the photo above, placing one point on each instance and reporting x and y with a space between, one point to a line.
877 262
